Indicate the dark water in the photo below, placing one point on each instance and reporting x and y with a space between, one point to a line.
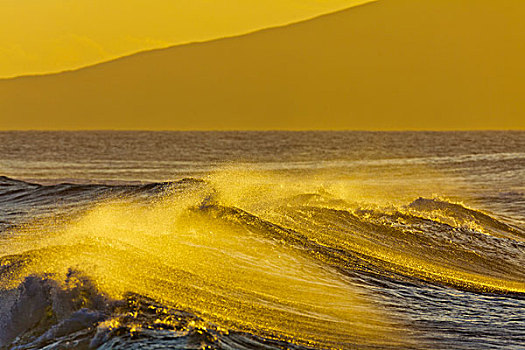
262 240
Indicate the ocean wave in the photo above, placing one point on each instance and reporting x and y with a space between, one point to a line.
223 264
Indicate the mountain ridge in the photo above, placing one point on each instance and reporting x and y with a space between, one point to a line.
387 65
192 43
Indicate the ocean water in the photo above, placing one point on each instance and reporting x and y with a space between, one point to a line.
262 240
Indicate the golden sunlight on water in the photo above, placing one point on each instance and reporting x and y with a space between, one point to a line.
221 250
177 254
258 192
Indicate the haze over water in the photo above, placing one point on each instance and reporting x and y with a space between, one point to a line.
262 239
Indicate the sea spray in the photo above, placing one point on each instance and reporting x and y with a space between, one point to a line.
176 252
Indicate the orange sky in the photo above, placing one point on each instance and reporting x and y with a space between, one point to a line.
41 36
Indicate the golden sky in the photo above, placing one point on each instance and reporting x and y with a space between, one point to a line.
42 36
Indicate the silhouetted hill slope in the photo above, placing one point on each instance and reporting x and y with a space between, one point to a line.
393 64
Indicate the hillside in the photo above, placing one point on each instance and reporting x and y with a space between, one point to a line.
393 64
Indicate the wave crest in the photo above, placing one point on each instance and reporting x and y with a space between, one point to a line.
283 262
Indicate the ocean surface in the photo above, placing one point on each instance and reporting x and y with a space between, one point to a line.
262 240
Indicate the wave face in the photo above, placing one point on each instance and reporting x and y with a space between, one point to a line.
261 256
213 263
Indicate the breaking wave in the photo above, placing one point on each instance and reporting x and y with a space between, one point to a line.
237 260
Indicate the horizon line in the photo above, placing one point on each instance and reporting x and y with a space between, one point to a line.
262 130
